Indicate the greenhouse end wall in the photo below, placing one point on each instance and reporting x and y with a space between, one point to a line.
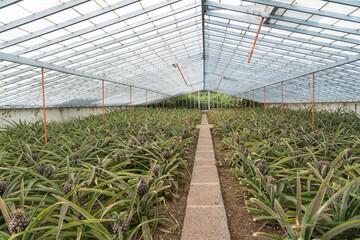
52 114
320 106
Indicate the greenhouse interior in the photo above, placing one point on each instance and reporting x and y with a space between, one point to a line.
180 119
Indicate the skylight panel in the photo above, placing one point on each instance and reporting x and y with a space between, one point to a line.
104 18
129 9
36 25
134 20
12 13
79 26
87 7
12 34
38 5
63 16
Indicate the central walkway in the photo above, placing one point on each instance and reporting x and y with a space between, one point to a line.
205 217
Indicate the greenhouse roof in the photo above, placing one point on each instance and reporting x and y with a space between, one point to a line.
170 48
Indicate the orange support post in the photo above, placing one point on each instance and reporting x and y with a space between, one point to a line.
256 37
282 102
103 102
130 105
181 74
156 104
253 100
313 101
245 101
146 101
218 85
240 103
192 89
43 93
264 102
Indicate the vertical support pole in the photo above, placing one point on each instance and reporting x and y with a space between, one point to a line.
103 102
130 105
282 102
313 101
253 100
245 101
240 102
156 104
221 101
146 101
217 101
264 102
199 100
208 100
190 100
44 110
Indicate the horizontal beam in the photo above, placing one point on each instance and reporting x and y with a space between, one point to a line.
5 3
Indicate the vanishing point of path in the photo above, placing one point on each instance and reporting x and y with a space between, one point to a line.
205 217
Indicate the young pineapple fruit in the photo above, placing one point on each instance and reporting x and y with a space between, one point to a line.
246 153
19 222
166 154
156 169
261 166
41 168
34 156
67 187
323 165
143 188
3 186
121 226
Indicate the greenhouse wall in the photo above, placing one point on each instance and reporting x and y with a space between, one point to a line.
52 114
320 106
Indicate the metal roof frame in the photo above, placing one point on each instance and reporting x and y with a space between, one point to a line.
135 43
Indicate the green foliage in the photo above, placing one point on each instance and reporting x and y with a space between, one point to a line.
102 167
304 179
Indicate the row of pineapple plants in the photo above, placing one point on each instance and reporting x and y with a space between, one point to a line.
93 181
304 179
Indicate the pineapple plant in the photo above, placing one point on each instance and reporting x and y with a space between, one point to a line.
41 168
261 166
120 226
67 187
34 156
323 166
156 169
143 188
166 154
246 153
19 222
3 186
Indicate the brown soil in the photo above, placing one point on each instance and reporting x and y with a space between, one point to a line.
240 221
171 230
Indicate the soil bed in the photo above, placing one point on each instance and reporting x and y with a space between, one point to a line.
240 221
171 230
